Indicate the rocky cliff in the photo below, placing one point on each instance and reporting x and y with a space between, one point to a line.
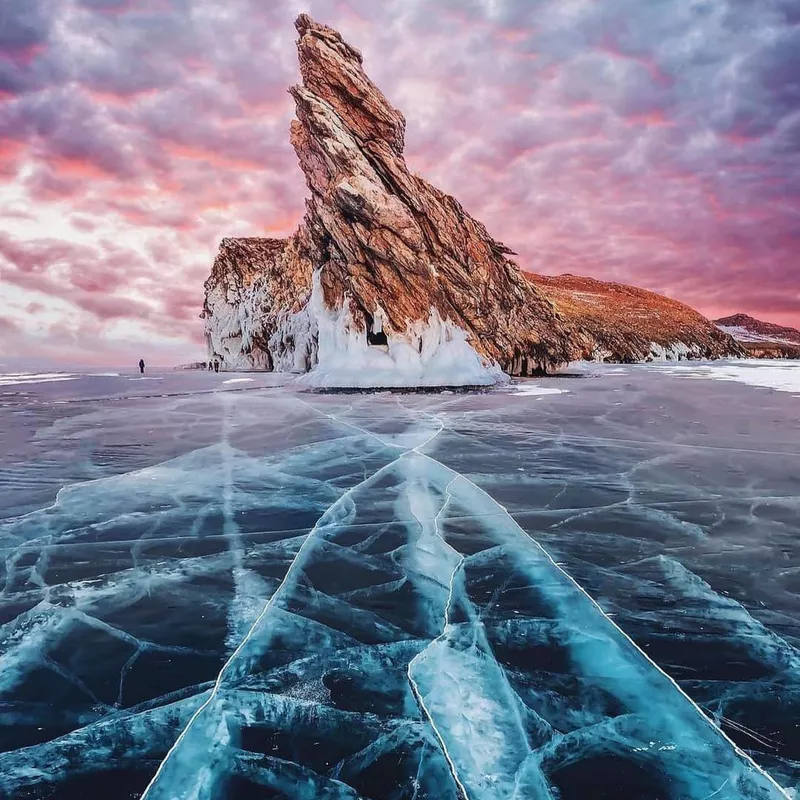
388 280
257 289
385 271
628 324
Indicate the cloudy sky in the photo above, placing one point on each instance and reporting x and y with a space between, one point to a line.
655 142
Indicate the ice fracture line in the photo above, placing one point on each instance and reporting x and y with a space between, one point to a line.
298 560
644 655
446 624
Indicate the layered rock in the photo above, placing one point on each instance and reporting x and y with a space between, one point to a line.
388 280
256 291
761 339
627 324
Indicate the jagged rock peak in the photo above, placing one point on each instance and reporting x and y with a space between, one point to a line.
305 24
387 241
332 70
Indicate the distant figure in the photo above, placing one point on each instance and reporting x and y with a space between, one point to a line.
210 365
216 365
141 366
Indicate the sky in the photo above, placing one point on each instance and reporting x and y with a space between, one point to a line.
653 142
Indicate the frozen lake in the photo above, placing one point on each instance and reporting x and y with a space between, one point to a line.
217 587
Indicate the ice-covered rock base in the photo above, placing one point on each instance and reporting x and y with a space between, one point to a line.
327 349
433 353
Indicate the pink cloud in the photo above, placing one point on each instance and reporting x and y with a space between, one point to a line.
620 150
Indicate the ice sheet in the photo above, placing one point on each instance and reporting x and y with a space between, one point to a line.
262 592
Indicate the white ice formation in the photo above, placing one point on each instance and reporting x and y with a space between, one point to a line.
235 315
326 344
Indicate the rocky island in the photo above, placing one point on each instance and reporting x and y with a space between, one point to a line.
388 281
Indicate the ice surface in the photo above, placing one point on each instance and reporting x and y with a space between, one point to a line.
246 591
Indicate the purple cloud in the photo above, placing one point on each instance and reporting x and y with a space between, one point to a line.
655 144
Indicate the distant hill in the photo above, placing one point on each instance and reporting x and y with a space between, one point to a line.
632 324
761 339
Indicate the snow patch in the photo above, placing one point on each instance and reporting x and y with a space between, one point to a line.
239 380
16 378
532 390
770 373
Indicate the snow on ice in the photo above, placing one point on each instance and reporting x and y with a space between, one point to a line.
784 376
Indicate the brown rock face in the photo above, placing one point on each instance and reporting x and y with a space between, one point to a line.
254 285
386 238
627 324
381 250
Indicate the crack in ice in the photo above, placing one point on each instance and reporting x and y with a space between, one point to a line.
414 687
503 510
741 753
298 559
714 794
445 626
772 744
322 523
348 424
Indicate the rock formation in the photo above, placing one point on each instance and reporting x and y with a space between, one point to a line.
628 324
256 287
388 280
761 339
